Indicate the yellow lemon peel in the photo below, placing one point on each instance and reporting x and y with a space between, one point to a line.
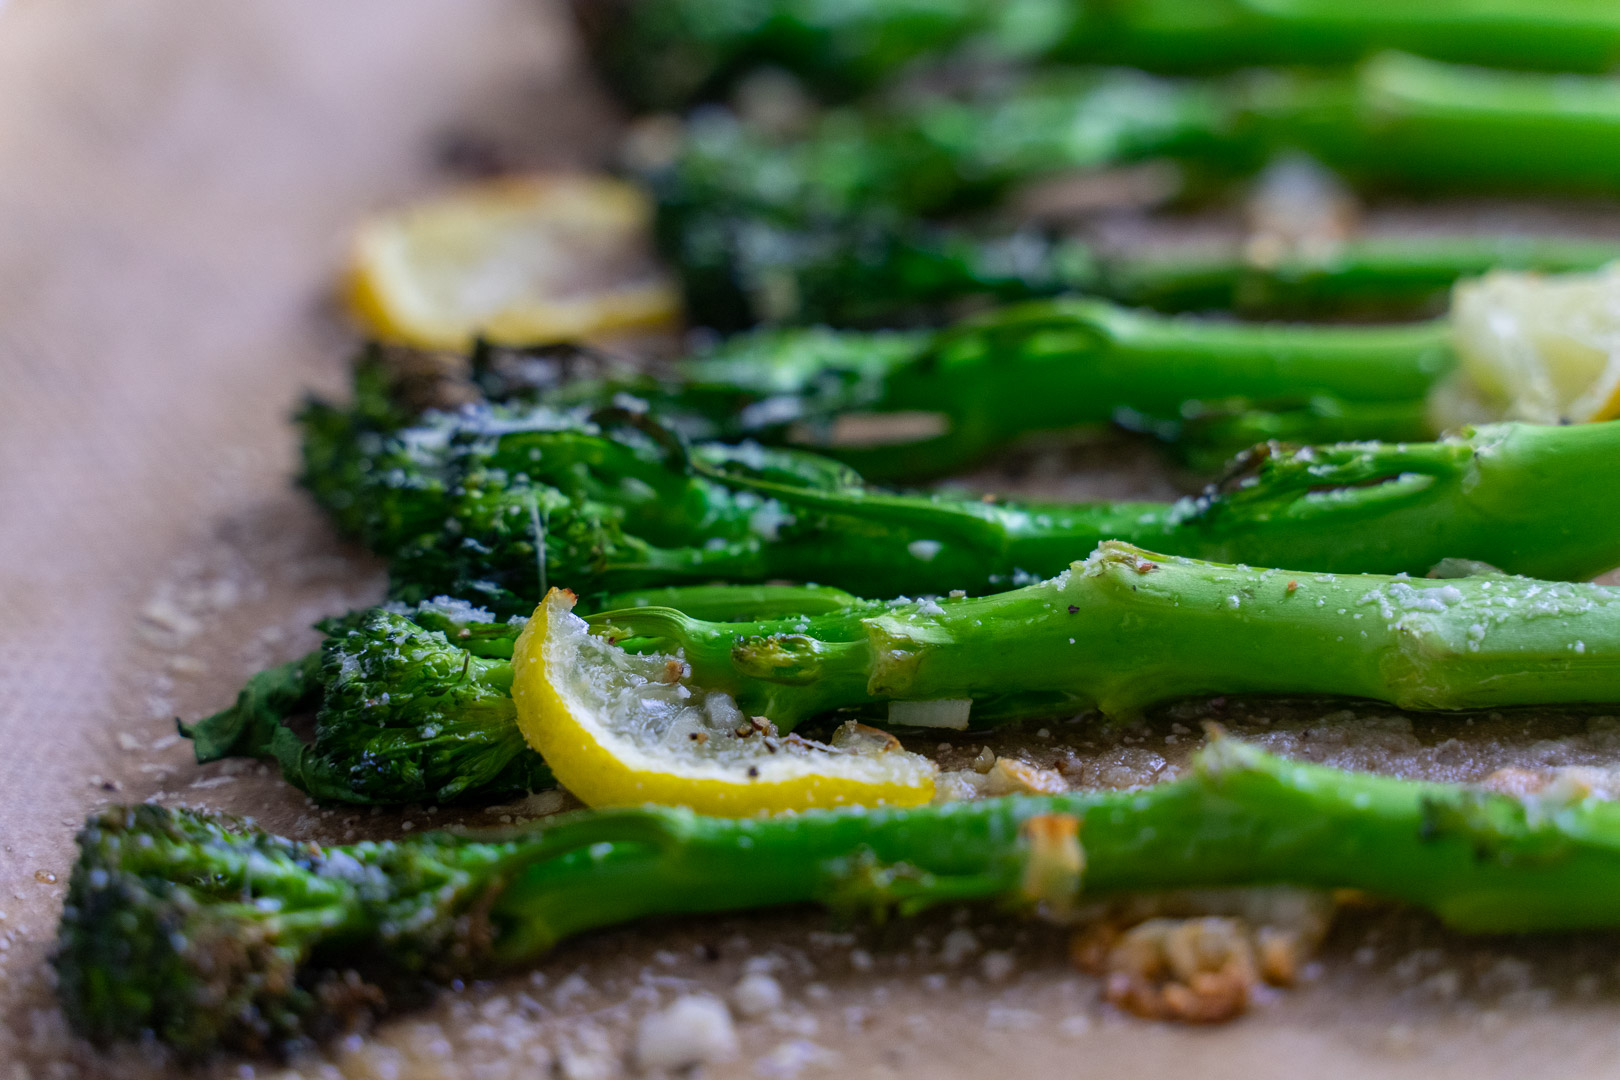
517 261
619 729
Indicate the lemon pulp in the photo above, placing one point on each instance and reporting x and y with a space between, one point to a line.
1538 347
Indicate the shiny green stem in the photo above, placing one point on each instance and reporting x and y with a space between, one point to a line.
1481 862
1127 629
1491 495
210 935
663 54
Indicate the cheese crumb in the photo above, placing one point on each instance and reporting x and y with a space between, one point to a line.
693 1030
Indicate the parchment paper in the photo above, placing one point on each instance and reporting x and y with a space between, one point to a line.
177 178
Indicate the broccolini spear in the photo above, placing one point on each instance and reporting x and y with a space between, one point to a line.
663 54
1126 629
747 270
492 504
1210 387
1387 275
211 935
1120 632
850 220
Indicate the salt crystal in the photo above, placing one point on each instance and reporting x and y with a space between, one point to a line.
756 994
793 1057
1003 1018
997 966
960 944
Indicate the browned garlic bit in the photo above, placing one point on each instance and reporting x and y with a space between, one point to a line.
1056 861
1001 776
1298 210
1193 970
861 739
1570 783
1161 962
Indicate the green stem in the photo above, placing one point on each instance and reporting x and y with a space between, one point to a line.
662 54
414 706
725 603
1067 363
1127 628
1420 124
1057 365
1377 274
1482 862
1492 495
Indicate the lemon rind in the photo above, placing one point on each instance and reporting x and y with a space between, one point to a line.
603 769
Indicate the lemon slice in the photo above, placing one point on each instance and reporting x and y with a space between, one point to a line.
518 261
1538 347
620 729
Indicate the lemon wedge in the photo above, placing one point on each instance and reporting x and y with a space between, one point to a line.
1538 347
518 261
621 729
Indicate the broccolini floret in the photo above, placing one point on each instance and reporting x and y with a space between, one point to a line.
411 705
210 935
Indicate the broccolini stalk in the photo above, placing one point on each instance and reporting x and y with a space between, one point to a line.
663 54
1418 124
1381 274
406 716
494 504
1127 628
211 935
927 404
918 271
1059 364
828 224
